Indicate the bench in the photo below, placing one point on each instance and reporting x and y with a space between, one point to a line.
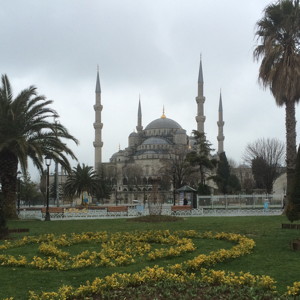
55 210
181 207
181 210
117 209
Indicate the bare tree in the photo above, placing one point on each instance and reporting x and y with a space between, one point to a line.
178 169
265 156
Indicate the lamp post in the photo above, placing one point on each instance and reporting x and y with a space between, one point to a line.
19 190
56 168
48 163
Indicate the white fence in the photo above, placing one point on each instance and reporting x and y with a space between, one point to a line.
132 211
213 209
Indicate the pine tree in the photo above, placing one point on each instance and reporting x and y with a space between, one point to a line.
223 173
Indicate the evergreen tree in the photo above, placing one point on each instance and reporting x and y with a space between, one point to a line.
200 156
227 183
223 174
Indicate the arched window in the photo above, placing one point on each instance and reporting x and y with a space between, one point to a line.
145 181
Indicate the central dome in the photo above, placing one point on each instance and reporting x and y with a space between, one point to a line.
163 123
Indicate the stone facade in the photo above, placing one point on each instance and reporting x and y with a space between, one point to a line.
134 171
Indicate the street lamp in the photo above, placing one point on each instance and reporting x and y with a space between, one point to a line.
19 190
48 163
56 166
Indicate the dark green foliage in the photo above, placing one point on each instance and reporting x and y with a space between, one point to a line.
259 167
103 190
293 209
227 182
200 156
81 179
278 36
26 131
85 179
203 189
223 174
234 184
3 227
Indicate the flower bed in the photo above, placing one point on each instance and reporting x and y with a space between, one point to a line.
119 249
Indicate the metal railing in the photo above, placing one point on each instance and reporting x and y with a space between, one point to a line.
253 201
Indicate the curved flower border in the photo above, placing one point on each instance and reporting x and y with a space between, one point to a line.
181 242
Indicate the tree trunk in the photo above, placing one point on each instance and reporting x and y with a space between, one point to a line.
8 178
291 151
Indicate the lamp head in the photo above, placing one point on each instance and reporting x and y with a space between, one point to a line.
48 160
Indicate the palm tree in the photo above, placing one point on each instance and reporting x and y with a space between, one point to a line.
278 35
26 131
81 179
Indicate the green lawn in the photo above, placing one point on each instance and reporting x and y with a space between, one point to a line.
272 255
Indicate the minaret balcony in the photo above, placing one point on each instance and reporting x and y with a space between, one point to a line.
200 118
200 100
98 125
98 107
98 144
220 123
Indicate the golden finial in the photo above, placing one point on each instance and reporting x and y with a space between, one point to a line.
163 115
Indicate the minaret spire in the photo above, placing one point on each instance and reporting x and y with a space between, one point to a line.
220 123
163 116
200 76
200 99
98 87
98 144
139 126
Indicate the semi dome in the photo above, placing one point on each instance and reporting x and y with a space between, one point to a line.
155 141
133 134
163 123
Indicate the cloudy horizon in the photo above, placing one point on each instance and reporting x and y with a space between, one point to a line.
146 48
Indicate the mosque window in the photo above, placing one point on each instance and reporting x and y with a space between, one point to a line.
145 180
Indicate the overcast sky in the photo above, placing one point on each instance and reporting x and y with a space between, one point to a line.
151 48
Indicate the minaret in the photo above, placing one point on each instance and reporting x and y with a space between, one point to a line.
139 126
200 99
220 123
98 144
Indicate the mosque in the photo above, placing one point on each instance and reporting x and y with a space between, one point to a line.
133 170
